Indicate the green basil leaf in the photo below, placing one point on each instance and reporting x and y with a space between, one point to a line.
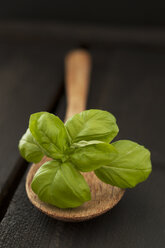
29 148
60 185
83 143
131 166
89 156
49 131
92 125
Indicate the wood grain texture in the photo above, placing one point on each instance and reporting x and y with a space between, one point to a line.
137 221
104 197
130 84
77 81
27 72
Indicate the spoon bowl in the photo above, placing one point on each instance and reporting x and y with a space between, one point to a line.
104 197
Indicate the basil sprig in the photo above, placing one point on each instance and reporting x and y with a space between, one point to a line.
81 145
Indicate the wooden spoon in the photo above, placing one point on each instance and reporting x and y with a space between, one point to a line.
104 196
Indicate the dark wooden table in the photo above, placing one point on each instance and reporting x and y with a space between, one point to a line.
128 79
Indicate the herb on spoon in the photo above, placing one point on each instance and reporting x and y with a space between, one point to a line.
82 144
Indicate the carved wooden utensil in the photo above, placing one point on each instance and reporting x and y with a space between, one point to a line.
104 196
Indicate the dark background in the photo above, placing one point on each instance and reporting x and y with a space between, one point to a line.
126 40
104 12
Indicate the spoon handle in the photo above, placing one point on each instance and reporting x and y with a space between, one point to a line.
77 78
